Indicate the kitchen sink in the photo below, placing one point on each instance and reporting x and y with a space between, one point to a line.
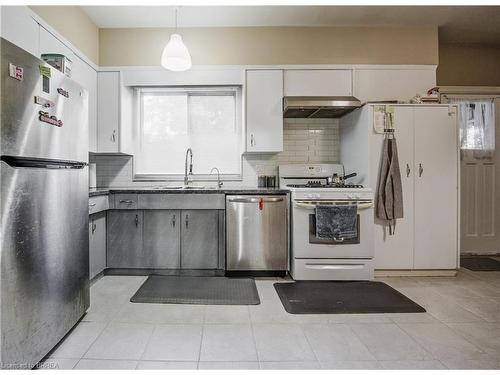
184 187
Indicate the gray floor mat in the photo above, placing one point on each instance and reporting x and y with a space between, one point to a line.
343 297
197 290
480 263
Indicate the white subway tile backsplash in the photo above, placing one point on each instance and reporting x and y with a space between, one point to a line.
305 141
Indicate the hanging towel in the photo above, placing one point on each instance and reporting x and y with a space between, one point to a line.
389 188
336 222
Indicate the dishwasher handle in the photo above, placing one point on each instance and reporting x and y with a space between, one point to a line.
256 200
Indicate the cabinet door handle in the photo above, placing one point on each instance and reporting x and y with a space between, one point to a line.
136 221
93 225
187 220
113 136
173 221
91 205
420 170
126 201
252 140
408 170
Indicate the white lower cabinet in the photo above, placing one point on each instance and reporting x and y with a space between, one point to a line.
427 237
97 243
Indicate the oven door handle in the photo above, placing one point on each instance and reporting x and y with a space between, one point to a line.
312 206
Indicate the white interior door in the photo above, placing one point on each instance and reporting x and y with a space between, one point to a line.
480 200
436 188
396 251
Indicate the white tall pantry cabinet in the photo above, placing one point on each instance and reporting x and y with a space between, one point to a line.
427 237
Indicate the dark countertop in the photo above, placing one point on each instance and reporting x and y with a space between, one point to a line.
151 190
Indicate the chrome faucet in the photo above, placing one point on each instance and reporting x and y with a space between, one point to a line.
219 182
187 180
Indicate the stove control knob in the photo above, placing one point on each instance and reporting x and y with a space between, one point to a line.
312 196
350 196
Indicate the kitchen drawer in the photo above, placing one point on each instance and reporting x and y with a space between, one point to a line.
125 201
181 201
98 204
332 269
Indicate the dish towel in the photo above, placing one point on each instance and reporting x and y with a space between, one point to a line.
389 189
336 222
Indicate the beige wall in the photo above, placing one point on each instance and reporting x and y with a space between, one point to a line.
468 65
74 25
274 45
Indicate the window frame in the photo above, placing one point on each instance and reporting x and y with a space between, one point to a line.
236 90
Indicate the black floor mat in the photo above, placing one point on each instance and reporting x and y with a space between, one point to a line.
343 297
480 263
197 290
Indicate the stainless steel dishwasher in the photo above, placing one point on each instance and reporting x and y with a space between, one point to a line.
257 233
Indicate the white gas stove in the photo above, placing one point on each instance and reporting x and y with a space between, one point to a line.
315 185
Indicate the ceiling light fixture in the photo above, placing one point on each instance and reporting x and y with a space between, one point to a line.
175 55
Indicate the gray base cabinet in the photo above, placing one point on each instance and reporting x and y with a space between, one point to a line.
165 239
162 238
199 239
97 243
125 248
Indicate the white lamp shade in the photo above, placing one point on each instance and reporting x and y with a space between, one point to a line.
175 55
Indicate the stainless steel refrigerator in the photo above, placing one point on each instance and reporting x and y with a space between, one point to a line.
44 207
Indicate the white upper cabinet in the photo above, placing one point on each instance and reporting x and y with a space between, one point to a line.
327 82
20 28
264 111
82 73
108 112
50 44
86 76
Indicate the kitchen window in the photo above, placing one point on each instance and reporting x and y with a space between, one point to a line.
205 119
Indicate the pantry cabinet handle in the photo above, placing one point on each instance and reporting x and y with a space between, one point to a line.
408 170
94 226
252 141
187 220
136 221
113 136
420 170
173 221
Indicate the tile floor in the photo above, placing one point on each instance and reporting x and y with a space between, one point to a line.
461 330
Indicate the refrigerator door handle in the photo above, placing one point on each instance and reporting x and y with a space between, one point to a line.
24 162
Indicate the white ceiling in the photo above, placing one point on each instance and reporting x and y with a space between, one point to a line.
456 24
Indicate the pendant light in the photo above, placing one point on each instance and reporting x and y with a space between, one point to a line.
175 55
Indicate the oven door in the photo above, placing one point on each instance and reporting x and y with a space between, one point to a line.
306 245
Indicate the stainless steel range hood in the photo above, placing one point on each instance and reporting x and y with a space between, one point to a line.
318 106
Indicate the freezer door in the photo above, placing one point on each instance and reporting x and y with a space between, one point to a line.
44 270
22 131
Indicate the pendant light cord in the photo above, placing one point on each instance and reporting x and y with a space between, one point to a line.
176 9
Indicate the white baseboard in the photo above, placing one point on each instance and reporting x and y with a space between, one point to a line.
415 273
